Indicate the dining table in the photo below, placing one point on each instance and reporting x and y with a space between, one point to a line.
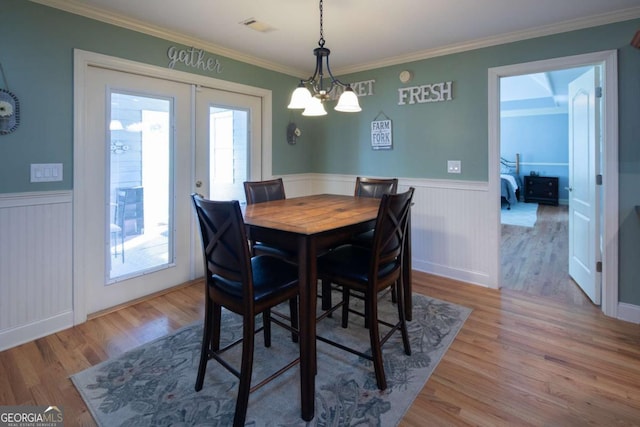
309 226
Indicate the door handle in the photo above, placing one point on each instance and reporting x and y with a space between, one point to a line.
198 184
568 188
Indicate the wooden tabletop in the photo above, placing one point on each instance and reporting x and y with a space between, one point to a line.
312 214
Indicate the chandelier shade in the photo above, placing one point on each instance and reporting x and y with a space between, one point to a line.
314 107
312 92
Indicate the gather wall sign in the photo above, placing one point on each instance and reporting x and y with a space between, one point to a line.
193 58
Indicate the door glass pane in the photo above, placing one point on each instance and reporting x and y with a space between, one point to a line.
228 152
140 231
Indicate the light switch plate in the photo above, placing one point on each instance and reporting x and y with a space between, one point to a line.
46 172
454 166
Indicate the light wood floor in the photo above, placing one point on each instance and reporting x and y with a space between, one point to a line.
536 260
519 360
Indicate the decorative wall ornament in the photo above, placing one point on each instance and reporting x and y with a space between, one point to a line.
381 133
435 92
293 132
9 108
194 58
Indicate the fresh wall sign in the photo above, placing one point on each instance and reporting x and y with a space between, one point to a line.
194 58
435 92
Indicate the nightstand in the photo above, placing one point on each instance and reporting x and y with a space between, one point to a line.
541 189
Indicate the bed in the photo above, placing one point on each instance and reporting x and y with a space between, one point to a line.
510 181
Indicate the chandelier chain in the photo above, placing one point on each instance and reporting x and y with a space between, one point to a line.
321 41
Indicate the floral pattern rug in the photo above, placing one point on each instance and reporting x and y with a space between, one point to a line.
153 385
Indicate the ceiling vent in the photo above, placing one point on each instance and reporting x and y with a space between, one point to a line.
256 25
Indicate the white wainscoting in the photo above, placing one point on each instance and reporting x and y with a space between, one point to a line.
452 233
35 265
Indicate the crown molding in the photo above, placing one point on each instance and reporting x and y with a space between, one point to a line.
563 27
78 8
73 6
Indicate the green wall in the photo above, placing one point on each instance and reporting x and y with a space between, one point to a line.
37 56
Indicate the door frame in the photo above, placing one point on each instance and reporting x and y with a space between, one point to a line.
82 61
609 207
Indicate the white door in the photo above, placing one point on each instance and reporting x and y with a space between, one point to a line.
136 179
228 143
584 161
228 146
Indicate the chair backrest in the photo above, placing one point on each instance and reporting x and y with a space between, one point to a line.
375 187
391 229
264 191
224 243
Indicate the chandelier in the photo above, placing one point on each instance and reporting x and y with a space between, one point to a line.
313 104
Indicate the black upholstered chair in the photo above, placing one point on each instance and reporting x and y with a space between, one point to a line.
365 187
242 284
375 187
264 191
369 271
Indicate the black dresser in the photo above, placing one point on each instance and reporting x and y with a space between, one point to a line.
541 189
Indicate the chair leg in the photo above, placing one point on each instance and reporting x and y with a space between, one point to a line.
326 295
266 323
293 313
403 321
206 343
215 331
371 300
345 306
246 367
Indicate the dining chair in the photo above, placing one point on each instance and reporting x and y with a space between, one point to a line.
365 187
370 270
375 187
264 191
243 284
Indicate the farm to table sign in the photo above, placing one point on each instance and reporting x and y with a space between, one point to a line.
381 138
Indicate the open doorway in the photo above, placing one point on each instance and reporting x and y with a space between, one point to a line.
606 217
534 174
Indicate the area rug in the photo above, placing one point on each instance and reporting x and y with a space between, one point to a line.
153 385
521 214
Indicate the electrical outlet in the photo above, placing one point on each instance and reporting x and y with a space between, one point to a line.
454 166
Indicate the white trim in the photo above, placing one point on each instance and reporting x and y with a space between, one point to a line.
572 25
12 200
82 61
123 21
78 8
610 158
628 312
32 331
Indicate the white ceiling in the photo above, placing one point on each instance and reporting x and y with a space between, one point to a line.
362 34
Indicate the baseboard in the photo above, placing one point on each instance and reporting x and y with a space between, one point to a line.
472 277
629 312
32 331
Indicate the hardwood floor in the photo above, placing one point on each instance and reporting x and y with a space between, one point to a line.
536 260
519 360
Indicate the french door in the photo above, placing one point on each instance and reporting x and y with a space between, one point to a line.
144 145
228 151
137 184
